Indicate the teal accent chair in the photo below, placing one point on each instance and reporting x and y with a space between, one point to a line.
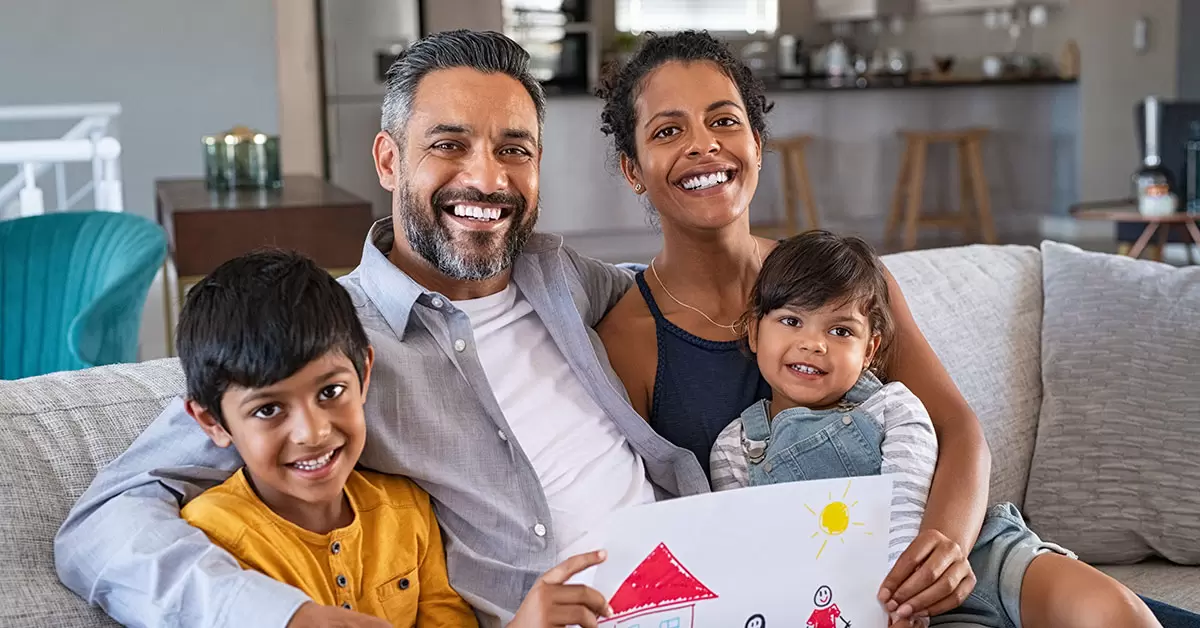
72 289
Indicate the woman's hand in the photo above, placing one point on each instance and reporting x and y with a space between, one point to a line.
551 603
931 577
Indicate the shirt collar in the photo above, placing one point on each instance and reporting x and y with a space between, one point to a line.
393 292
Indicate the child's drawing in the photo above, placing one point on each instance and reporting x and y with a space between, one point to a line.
660 593
827 613
834 519
747 558
756 621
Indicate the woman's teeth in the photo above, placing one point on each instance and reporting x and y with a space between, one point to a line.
478 213
315 463
705 181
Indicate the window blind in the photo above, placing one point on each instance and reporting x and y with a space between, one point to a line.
665 16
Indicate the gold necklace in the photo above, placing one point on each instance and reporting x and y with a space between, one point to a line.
733 327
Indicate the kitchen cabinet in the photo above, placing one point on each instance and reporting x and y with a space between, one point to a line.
853 10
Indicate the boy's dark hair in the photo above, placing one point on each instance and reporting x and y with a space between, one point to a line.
621 86
810 270
258 319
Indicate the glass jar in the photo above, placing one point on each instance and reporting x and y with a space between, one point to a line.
241 158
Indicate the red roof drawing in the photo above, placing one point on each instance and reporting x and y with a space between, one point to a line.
660 580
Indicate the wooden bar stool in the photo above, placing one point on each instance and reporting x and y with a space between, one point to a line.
796 187
973 188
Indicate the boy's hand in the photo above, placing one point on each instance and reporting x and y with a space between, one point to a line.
551 603
931 577
313 615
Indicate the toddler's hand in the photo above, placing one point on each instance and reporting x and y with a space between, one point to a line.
551 603
931 577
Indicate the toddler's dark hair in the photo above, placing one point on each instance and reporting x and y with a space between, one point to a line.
816 268
258 319
621 85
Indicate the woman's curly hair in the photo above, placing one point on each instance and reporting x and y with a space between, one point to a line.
621 85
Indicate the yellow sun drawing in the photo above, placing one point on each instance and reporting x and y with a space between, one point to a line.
834 519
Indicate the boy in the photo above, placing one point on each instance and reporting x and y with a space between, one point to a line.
277 365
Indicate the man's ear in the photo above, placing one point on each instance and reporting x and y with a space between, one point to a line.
387 159
208 422
633 174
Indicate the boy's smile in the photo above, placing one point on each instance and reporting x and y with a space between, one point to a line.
300 439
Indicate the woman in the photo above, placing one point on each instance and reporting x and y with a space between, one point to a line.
688 124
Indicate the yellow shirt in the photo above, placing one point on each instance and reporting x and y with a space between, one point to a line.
388 563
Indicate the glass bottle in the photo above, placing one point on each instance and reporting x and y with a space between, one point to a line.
1193 169
1152 182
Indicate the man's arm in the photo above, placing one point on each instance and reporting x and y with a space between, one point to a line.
125 548
605 283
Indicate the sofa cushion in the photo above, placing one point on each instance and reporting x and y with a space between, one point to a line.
1115 474
1171 584
980 307
59 430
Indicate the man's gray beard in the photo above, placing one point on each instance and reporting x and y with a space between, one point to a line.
434 242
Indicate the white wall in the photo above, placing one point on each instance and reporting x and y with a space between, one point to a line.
180 69
1113 79
298 56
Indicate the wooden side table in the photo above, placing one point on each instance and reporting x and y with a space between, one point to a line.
1124 210
207 227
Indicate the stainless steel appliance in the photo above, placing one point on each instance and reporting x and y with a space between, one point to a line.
360 39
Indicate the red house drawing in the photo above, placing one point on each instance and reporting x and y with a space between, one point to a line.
660 593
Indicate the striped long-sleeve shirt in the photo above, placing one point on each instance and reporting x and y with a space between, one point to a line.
909 450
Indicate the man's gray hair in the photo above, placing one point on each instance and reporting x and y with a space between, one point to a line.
488 52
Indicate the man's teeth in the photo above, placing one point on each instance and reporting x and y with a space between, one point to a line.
478 213
705 181
804 368
315 463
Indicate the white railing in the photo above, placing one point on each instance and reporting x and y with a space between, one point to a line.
90 140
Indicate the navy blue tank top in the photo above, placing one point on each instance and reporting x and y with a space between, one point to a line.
700 386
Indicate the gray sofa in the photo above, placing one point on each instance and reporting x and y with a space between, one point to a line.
982 309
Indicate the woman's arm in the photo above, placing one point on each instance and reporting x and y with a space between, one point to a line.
629 339
959 494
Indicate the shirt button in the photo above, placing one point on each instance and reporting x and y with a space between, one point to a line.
346 605
767 467
539 530
437 303
336 547
403 584
846 420
341 581
503 436
460 345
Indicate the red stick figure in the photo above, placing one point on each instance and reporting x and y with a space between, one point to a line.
827 613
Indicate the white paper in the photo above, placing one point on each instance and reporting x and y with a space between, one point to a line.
788 555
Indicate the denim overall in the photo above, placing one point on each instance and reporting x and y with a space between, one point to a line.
802 444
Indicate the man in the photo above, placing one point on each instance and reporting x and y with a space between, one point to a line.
490 388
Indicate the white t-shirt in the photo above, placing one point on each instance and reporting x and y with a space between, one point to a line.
586 467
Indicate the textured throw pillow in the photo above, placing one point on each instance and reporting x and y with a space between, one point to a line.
1116 466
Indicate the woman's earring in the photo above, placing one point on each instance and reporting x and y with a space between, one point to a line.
760 165
637 188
